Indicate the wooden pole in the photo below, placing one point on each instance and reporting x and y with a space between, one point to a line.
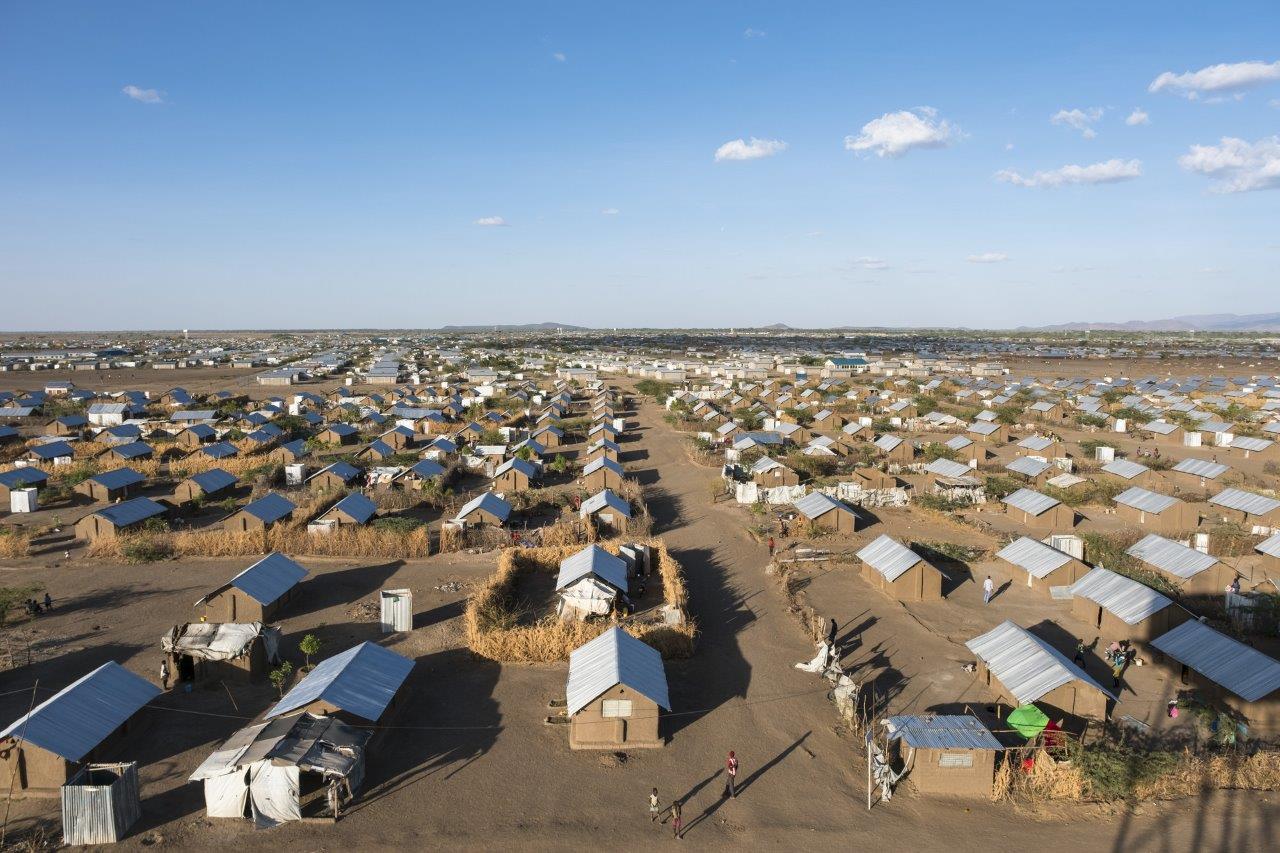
868 769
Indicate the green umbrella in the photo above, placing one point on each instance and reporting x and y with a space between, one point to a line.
1028 721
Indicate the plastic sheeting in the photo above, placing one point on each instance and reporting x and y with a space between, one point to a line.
226 796
587 597
273 793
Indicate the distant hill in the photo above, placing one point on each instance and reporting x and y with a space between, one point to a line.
1186 323
523 327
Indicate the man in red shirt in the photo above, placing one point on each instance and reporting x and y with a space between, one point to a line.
731 768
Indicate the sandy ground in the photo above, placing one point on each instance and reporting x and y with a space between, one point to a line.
469 763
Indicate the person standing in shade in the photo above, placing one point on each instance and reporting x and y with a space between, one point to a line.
677 822
654 806
988 590
831 633
731 768
1078 660
164 673
48 601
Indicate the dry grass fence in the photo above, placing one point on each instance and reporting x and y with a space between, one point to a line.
1103 774
493 631
14 543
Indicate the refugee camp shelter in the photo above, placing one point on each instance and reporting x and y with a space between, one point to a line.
484 508
768 472
608 510
826 512
899 572
1018 667
110 485
262 514
83 722
589 583
1193 474
1258 514
514 475
1156 512
359 686
113 520
946 754
602 473
1193 572
616 686
1239 676
206 484
1038 511
257 594
354 509
1045 565
280 770
1122 608
19 478
201 652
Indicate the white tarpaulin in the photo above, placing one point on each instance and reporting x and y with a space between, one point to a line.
851 494
220 640
585 598
749 493
225 796
273 793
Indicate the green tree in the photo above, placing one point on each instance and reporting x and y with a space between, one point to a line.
280 676
309 646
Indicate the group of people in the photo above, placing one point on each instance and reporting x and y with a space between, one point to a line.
34 607
676 809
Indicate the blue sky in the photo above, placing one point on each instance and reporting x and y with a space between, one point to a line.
247 165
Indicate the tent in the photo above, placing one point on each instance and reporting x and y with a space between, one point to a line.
271 771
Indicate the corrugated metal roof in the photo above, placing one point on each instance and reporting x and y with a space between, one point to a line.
1201 468
268 579
1159 427
1126 598
1269 546
1248 502
1031 501
29 476
1033 556
118 479
603 462
815 504
1254 445
959 442
887 443
1171 557
52 450
592 560
1126 469
81 715
948 468
983 427
943 731
219 450
1035 442
361 681
1028 467
615 657
1026 665
889 557
133 511
270 508
356 506
1145 500
1243 670
213 480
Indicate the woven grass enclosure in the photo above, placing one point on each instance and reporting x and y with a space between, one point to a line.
492 626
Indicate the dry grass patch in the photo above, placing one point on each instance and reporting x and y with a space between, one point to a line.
491 620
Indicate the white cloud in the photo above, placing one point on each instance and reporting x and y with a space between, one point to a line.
559 57
894 134
1108 172
1137 117
145 96
1217 78
753 33
1237 166
1081 120
491 221
1275 102
741 149
871 263
610 211
988 258
1008 146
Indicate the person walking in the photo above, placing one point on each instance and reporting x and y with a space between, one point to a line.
731 769
48 601
831 633
164 673
677 822
1078 660
988 590
771 547
654 806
